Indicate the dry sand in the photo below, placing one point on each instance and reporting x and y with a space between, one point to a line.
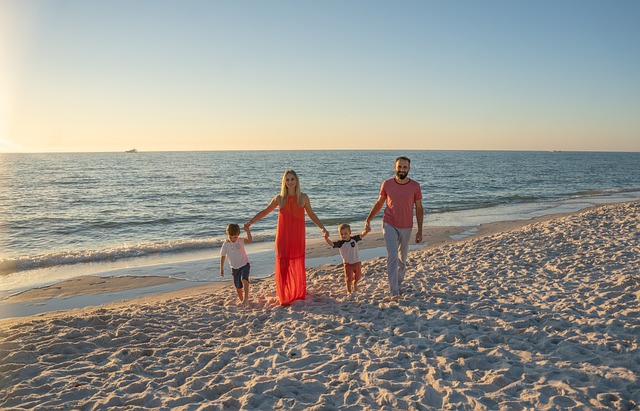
545 316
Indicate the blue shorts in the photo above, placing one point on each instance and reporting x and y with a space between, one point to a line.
240 274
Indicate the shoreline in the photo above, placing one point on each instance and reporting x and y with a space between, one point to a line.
72 294
545 316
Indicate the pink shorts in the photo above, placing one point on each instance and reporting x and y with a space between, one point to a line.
351 269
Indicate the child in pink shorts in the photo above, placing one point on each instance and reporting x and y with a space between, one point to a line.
348 246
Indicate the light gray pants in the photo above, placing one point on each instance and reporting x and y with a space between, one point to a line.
397 242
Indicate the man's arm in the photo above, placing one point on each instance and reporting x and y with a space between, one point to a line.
374 211
419 219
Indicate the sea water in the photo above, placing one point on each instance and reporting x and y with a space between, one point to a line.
63 215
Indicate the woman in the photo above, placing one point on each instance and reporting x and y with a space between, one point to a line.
291 279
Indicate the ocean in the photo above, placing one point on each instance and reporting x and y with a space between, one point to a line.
60 211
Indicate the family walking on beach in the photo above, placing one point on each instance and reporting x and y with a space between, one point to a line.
400 194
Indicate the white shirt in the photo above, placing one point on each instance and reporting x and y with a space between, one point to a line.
235 253
348 249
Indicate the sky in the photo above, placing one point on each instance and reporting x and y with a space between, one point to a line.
333 74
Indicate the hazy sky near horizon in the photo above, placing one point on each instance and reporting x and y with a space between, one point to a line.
334 74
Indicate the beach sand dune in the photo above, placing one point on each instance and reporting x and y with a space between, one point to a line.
543 317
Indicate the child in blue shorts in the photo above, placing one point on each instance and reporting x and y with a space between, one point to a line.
233 248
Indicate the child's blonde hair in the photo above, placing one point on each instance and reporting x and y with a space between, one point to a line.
343 226
233 229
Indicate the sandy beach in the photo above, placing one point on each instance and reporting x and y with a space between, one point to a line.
538 315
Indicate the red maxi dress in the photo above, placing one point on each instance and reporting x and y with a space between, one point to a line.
291 278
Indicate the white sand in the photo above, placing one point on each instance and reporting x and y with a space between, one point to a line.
543 317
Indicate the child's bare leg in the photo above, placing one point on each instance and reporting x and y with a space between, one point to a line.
357 276
245 287
347 280
240 293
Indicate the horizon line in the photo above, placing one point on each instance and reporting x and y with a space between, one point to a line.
308 149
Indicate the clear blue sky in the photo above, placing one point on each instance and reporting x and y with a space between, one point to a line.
337 74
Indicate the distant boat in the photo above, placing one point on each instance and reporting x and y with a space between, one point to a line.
133 150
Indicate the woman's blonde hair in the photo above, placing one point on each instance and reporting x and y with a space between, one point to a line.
283 190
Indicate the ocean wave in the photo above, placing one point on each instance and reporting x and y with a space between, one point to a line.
17 264
595 193
477 204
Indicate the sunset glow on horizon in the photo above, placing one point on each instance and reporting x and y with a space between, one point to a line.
419 75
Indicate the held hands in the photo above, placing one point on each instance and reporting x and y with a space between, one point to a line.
419 237
221 271
365 231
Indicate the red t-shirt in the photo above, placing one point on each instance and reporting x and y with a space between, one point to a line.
400 201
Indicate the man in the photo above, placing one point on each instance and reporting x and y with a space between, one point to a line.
400 194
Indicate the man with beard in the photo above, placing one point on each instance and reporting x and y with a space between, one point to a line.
400 194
